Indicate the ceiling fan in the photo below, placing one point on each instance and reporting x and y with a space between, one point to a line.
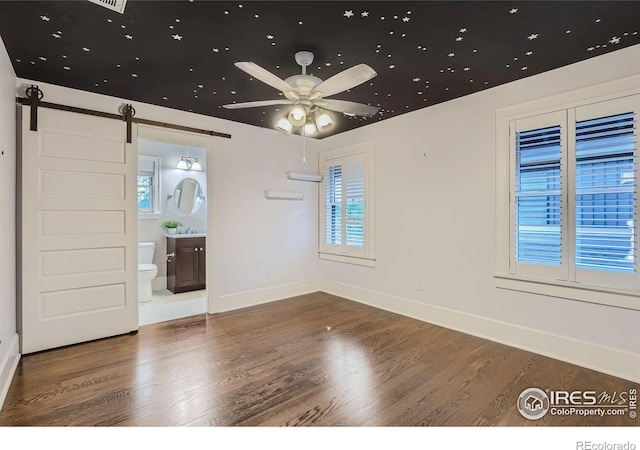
308 94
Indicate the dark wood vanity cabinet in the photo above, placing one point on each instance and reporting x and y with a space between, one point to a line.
186 264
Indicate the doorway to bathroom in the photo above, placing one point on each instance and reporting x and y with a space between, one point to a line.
173 225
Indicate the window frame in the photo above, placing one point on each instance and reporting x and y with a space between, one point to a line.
363 256
155 187
504 275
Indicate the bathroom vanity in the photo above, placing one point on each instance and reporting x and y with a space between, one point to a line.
186 262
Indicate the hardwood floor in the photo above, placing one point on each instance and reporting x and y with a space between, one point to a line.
279 364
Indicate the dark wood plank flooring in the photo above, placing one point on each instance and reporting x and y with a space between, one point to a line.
278 364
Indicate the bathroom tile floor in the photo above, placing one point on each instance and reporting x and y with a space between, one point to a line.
167 306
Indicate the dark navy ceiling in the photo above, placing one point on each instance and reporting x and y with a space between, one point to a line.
180 54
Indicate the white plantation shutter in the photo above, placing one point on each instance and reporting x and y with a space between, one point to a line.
605 193
538 196
333 205
538 228
605 196
346 205
354 201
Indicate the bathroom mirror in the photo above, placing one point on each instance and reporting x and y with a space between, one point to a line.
188 196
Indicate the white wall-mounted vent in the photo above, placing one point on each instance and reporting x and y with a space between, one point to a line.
113 5
282 195
304 176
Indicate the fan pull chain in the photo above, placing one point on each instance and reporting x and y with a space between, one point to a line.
304 146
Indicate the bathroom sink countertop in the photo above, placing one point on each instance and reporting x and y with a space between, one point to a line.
185 235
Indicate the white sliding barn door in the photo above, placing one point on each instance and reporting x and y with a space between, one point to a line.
79 269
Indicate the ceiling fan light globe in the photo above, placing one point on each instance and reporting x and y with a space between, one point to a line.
297 116
323 121
310 128
284 125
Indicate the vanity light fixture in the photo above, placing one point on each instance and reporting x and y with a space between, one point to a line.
189 163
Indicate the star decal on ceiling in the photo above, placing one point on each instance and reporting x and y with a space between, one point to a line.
513 10
459 38
66 67
177 37
529 53
532 36
86 49
615 40
348 14
45 18
451 55
406 19
215 50
416 79
269 36
128 36
463 30
364 13
56 35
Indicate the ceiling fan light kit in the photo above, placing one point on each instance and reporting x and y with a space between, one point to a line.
297 116
284 125
307 93
323 120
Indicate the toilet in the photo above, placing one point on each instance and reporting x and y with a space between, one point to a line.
146 270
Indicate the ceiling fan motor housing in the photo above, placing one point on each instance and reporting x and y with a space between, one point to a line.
303 84
304 58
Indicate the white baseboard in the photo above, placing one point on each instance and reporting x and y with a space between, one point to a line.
8 366
603 359
260 296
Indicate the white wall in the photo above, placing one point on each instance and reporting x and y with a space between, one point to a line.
8 336
435 212
150 227
254 235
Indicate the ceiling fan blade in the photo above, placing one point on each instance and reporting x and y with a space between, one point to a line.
345 80
257 104
265 76
359 109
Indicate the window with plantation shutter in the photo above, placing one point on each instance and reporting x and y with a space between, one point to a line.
346 228
573 196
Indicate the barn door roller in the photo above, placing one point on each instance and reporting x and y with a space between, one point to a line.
34 94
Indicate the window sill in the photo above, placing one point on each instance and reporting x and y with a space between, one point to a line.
359 261
573 291
149 216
